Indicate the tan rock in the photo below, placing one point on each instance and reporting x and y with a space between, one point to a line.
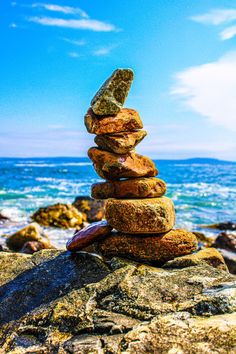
112 166
94 209
120 143
207 255
125 121
153 248
31 232
139 216
131 188
36 246
111 96
85 237
59 215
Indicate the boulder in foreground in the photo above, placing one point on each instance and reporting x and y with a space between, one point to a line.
130 188
111 96
111 166
59 215
57 302
156 248
141 216
125 121
31 232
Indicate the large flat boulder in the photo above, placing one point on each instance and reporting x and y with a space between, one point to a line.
55 302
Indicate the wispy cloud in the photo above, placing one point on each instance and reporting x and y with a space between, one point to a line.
79 42
216 17
83 24
210 90
13 25
63 9
228 33
102 51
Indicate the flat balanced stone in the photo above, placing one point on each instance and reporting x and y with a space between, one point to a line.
125 121
111 96
120 143
155 248
131 188
88 235
112 166
138 216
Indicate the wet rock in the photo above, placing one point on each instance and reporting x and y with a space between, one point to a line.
112 166
31 232
57 302
111 96
35 246
3 218
153 215
125 121
4 249
208 255
59 215
230 259
226 241
94 209
203 239
228 225
156 248
87 236
120 143
130 188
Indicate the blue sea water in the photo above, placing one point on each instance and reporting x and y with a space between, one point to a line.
203 190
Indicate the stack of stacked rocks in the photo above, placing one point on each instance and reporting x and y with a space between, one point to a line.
139 218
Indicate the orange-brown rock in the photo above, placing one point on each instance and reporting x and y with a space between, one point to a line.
85 237
138 216
112 166
125 121
120 143
35 246
155 248
208 255
131 188
93 209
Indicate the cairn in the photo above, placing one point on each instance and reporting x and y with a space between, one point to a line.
139 218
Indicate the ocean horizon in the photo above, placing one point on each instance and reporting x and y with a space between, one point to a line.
202 189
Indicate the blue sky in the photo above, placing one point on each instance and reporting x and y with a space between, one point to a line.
56 54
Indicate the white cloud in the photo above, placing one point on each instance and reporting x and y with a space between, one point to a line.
216 17
79 42
84 24
63 9
102 51
228 33
210 90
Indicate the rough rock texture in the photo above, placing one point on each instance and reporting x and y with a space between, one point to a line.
125 121
111 166
120 143
55 302
156 248
130 188
153 215
230 259
226 241
31 232
35 246
209 255
59 215
94 209
111 96
88 235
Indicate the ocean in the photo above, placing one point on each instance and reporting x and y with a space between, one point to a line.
203 190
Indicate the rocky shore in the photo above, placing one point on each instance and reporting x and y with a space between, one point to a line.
129 281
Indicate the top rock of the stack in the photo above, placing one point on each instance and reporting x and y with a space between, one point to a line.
111 96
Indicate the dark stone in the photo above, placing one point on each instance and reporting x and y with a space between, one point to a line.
226 241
